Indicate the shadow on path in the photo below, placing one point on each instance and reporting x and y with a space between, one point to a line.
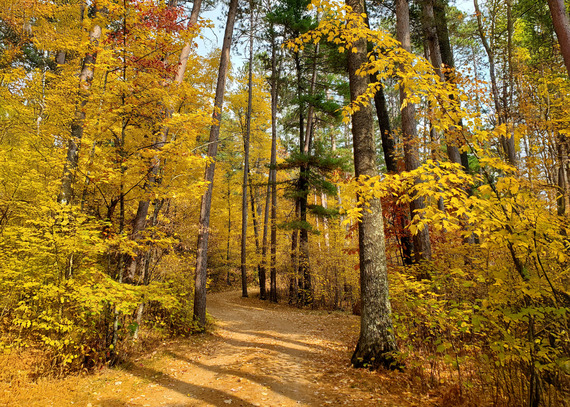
207 394
289 386
279 338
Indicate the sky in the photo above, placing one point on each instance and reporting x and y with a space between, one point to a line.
213 37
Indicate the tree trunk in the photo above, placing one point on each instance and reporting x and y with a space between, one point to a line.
562 29
436 57
325 205
376 343
302 261
273 169
204 222
295 282
254 214
563 153
422 245
507 143
78 123
509 138
264 242
388 143
440 19
389 148
228 275
139 221
390 154
185 53
246 161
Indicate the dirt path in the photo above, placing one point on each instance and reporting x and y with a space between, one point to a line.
259 355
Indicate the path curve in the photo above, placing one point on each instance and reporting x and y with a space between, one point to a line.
260 354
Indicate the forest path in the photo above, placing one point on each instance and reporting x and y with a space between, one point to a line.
260 354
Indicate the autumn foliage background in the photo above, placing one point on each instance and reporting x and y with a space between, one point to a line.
80 282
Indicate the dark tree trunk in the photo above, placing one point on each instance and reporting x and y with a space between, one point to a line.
273 169
390 154
306 289
388 143
228 275
446 55
204 223
254 214
422 245
376 343
264 242
431 34
295 282
303 188
389 148
301 266
246 161
509 139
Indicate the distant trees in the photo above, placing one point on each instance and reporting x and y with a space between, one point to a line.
106 125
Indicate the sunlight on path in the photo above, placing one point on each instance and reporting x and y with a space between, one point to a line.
260 354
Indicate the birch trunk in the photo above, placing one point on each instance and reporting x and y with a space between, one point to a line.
78 123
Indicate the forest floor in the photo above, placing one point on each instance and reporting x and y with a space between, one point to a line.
258 354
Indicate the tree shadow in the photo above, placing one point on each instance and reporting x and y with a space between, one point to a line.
287 383
286 386
204 393
276 338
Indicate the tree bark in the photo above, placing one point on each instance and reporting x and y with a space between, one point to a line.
388 143
78 123
295 282
562 29
389 149
204 222
264 241
507 143
273 168
390 154
509 138
185 53
422 245
254 213
563 156
436 57
376 343
304 265
228 275
246 160
139 222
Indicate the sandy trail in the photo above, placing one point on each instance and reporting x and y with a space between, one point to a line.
260 354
